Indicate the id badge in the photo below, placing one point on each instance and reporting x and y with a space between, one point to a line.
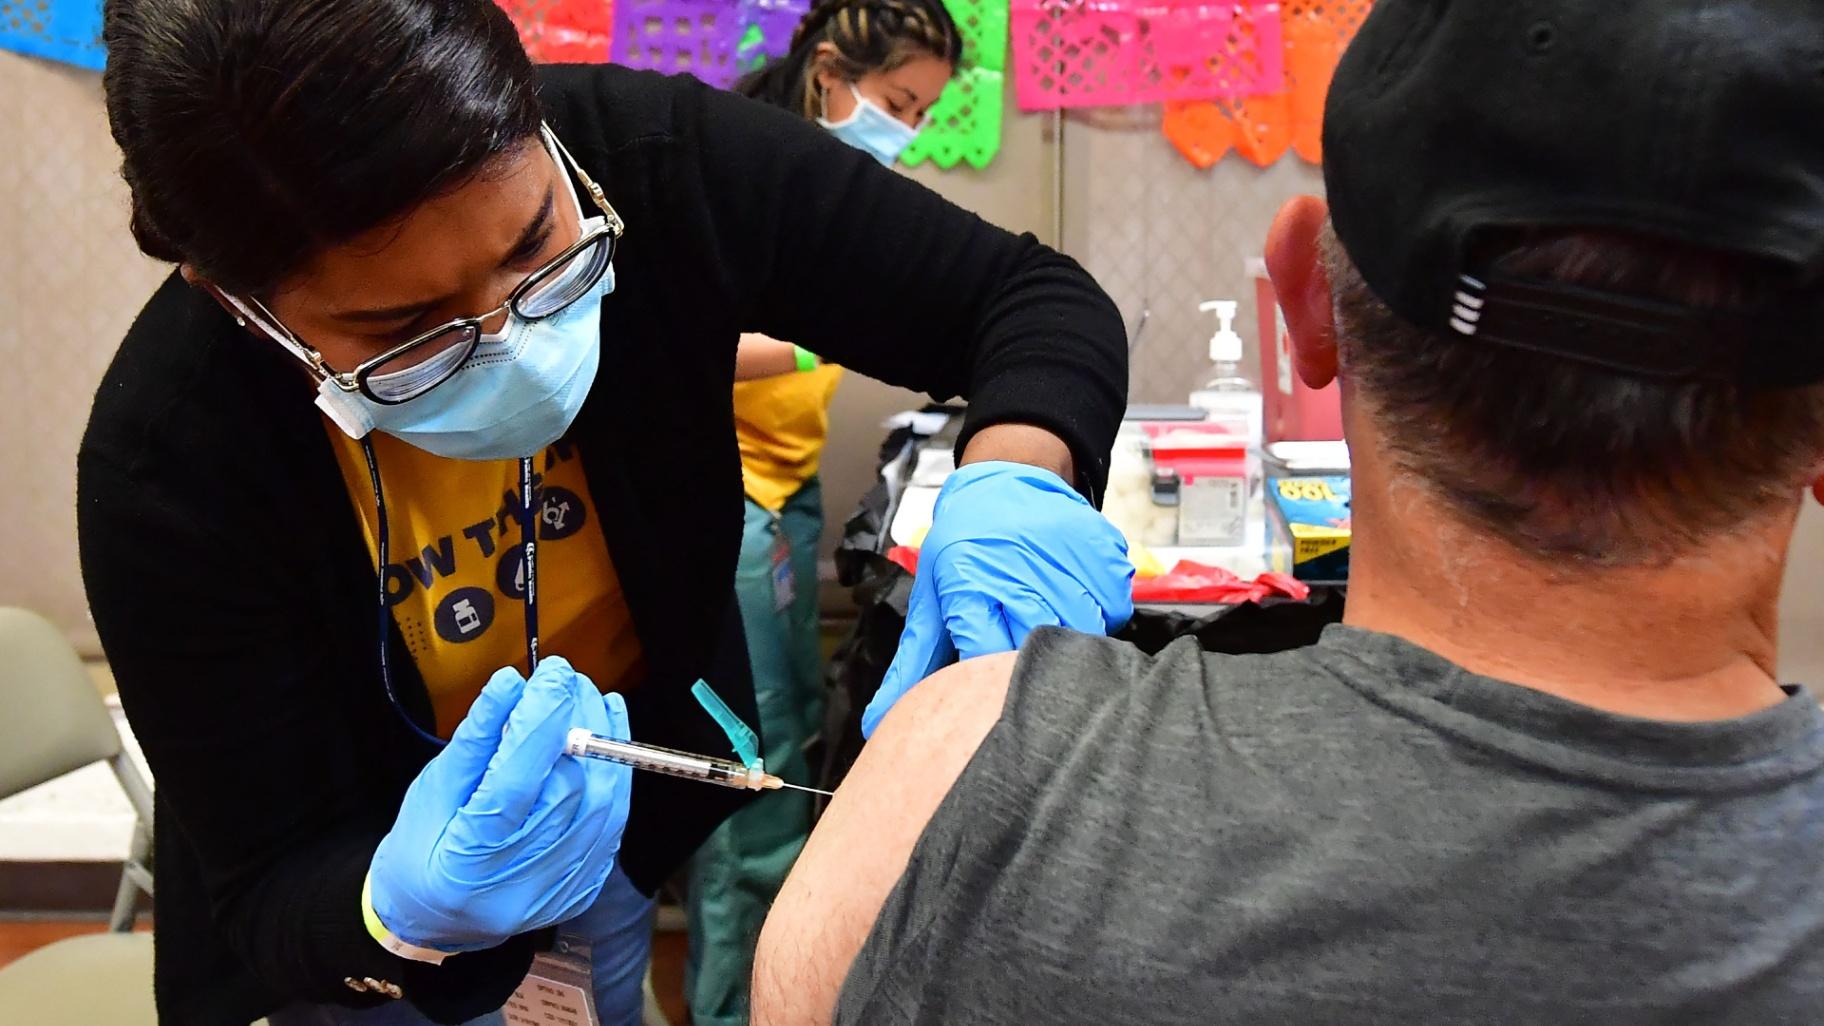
785 584
558 990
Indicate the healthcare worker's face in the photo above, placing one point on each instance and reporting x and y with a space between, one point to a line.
456 255
907 92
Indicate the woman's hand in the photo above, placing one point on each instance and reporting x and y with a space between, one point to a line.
503 833
1012 548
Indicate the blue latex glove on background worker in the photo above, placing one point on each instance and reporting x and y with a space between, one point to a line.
1012 548
502 833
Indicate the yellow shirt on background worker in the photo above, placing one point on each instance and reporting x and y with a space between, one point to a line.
456 578
781 424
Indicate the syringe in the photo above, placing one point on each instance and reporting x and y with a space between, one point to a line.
653 759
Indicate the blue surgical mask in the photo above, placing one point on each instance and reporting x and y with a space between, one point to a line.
518 391
872 130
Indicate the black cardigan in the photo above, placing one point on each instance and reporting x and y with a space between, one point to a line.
234 591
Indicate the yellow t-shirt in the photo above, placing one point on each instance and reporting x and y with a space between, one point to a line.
781 423
456 575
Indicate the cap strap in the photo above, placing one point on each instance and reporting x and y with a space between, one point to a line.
1623 333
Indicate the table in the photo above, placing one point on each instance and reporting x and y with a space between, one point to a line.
881 589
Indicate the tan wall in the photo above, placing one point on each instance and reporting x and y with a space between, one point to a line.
1160 234
1802 611
70 283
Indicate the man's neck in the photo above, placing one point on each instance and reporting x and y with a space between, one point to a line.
1690 640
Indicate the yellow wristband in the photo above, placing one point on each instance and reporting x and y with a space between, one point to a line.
807 360
384 937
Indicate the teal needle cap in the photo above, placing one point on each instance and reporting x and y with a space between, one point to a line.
742 737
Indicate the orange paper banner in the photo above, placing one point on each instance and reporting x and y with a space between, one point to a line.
1262 128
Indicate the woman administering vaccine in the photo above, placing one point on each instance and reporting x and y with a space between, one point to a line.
868 71
442 386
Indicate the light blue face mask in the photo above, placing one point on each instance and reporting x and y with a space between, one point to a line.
518 391
872 130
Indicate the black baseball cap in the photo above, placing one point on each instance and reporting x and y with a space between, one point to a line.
1698 122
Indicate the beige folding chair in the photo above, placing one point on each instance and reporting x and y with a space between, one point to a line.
53 722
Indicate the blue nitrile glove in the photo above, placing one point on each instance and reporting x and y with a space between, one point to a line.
502 833
1012 548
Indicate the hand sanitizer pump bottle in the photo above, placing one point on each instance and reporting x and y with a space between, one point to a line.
1234 406
1229 399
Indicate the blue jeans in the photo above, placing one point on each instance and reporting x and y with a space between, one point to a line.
619 929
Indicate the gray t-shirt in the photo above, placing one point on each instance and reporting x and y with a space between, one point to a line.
1356 832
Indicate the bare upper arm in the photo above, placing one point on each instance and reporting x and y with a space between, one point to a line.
861 845
759 356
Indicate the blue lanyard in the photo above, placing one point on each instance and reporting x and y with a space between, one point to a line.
528 526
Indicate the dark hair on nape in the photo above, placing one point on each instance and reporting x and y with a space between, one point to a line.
257 132
867 35
1567 461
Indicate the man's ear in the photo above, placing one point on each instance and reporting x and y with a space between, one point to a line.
1817 490
1295 263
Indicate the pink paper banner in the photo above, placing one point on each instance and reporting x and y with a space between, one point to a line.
1101 53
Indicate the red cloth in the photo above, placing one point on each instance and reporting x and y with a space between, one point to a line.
1195 582
906 556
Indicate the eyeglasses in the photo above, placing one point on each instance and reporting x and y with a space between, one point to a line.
414 367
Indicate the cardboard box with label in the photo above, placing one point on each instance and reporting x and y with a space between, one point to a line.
1308 527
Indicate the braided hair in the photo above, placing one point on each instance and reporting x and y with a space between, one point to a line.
867 35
